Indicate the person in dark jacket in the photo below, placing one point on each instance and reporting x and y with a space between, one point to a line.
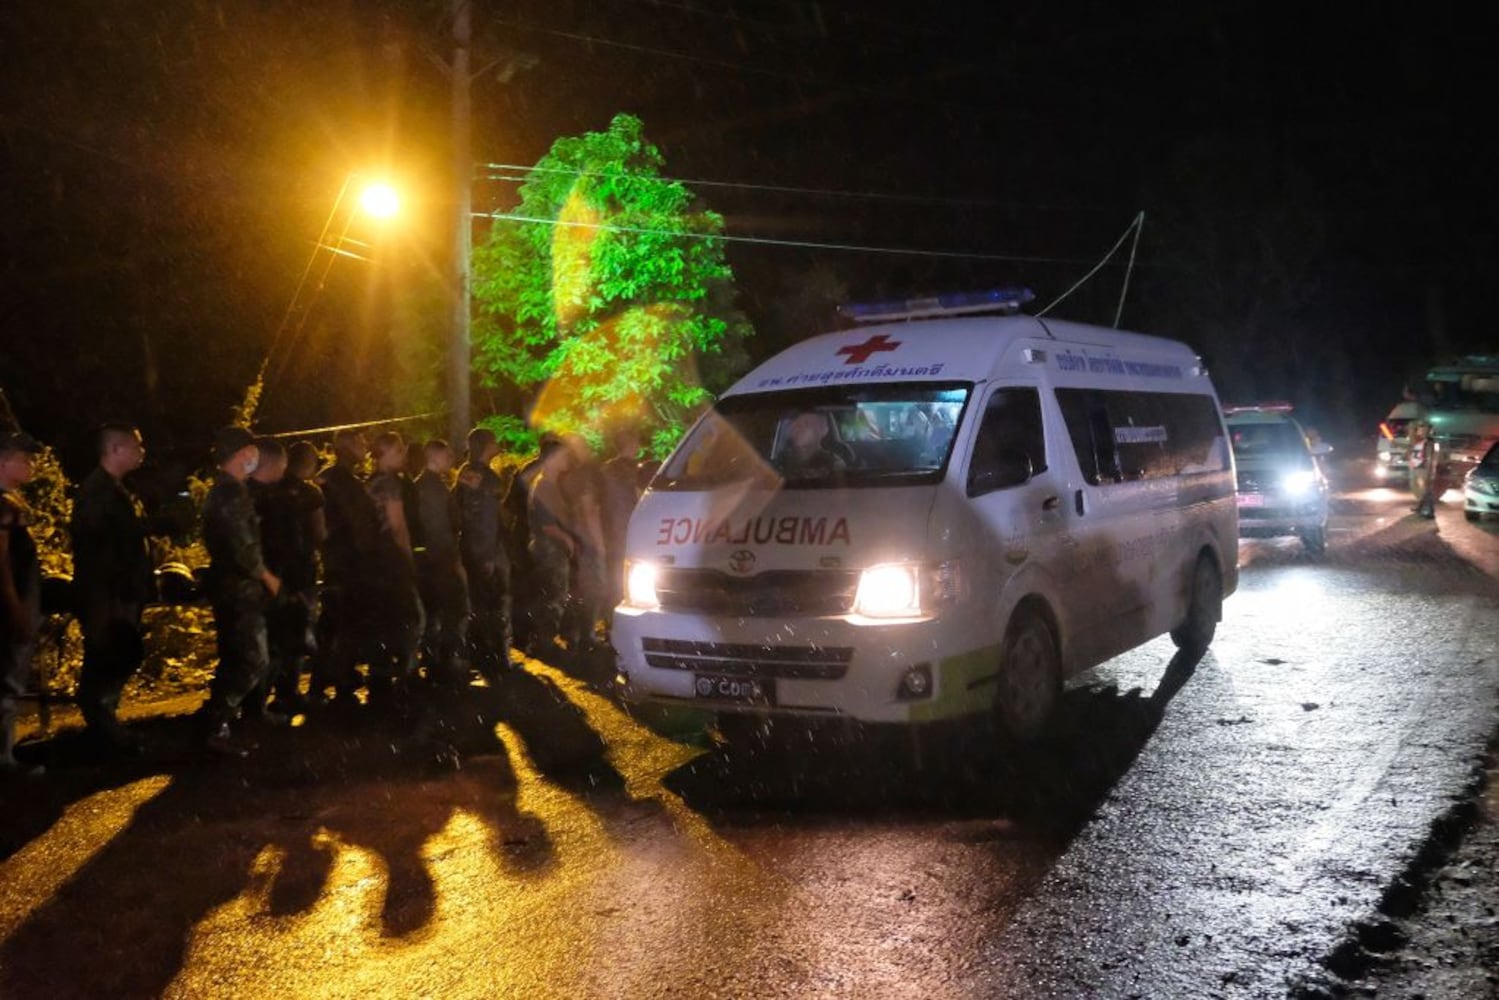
290 508
444 584
348 561
20 588
552 547
112 580
397 616
481 540
239 584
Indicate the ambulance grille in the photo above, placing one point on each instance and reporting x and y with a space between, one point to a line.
773 594
826 663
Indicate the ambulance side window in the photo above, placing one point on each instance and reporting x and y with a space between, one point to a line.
1086 415
1010 436
1128 436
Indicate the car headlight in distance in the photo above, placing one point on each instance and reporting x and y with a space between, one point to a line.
892 590
640 585
1299 483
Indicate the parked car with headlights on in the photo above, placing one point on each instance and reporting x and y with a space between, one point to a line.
1481 487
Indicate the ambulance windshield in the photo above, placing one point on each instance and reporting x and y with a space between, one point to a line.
843 436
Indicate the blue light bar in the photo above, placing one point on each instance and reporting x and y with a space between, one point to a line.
1001 300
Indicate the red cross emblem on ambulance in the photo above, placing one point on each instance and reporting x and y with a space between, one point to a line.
860 353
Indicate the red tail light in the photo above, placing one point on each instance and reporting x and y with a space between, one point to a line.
1384 428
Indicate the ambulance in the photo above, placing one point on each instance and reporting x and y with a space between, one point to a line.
946 510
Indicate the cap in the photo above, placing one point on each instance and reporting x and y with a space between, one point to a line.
19 440
229 441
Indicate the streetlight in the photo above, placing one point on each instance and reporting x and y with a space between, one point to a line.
377 199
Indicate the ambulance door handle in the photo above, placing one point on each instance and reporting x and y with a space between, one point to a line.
1051 503
1077 499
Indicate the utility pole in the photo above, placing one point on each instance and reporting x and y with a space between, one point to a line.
459 408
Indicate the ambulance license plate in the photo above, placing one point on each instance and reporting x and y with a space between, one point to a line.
1251 500
743 690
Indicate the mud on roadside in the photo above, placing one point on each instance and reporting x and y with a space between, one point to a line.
1436 931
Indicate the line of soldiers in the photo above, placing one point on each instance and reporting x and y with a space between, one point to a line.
416 569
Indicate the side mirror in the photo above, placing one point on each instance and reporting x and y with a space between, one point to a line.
1321 448
1009 468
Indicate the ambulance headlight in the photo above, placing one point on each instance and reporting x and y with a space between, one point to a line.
1299 483
905 590
891 591
640 585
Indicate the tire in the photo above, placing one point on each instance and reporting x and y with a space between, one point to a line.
1315 540
1030 679
1204 609
1472 515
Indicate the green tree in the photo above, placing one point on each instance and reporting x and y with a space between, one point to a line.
612 304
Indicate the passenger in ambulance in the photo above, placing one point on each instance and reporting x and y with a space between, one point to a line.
809 449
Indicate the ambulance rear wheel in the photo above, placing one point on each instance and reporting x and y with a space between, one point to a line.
1204 609
1030 678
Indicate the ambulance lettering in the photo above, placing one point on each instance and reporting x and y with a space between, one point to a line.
808 531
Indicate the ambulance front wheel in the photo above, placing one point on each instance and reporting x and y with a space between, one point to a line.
1204 609
1030 677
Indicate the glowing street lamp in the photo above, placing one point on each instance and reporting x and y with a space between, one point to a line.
376 199
379 200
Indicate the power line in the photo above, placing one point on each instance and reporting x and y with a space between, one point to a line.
334 428
785 27
800 80
891 196
664 53
771 241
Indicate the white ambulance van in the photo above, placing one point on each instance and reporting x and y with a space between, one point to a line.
937 514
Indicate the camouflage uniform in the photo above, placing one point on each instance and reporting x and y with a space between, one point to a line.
286 510
481 542
231 532
397 616
348 554
550 560
444 585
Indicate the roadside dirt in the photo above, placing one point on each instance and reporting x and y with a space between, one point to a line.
1449 946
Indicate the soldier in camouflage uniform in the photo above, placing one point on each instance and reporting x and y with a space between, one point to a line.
444 584
552 549
239 584
481 544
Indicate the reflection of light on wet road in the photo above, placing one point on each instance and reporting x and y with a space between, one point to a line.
600 893
52 859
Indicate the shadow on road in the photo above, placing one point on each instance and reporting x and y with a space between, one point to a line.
959 769
122 924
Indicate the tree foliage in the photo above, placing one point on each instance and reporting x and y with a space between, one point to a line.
613 306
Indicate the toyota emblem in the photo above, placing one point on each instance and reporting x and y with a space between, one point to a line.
742 561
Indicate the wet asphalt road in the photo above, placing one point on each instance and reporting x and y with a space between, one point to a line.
1187 831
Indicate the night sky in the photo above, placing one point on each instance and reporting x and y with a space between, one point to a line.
1320 206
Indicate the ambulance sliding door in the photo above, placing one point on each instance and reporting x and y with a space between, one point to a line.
1124 509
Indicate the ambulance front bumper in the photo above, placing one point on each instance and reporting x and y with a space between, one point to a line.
830 667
